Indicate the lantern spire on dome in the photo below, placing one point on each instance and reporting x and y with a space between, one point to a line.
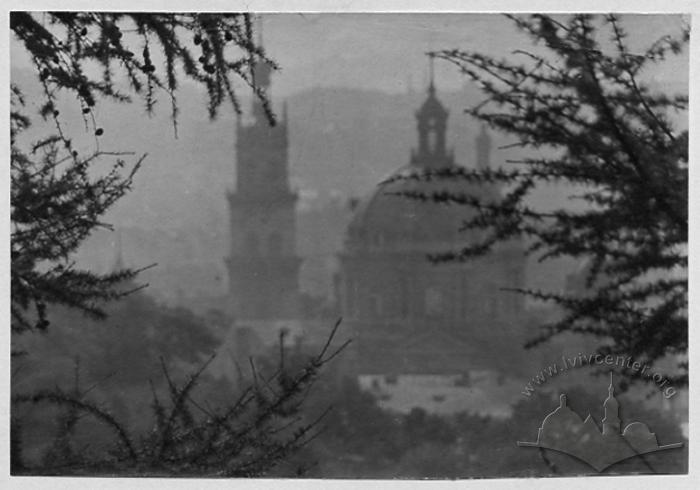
432 126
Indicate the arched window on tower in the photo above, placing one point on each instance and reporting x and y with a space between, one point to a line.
465 298
251 244
271 173
274 245
350 297
432 138
403 297
494 305
434 302
376 308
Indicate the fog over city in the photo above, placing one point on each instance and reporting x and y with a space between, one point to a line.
256 240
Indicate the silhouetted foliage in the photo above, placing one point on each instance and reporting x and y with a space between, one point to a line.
588 121
247 436
123 348
57 196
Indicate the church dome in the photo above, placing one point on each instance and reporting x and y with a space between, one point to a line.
390 219
410 316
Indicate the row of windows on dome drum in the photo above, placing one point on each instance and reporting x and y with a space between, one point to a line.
451 237
433 304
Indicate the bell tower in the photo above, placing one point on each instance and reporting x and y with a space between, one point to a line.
263 266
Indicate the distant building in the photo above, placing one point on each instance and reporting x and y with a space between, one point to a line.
263 266
413 316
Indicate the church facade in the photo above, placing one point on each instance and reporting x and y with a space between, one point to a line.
409 315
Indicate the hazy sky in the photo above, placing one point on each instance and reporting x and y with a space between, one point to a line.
387 51
383 52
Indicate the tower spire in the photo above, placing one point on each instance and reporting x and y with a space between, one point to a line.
262 72
260 30
431 87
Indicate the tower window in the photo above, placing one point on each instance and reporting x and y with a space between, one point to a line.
432 141
434 302
403 297
271 173
350 297
493 308
465 298
251 244
375 306
274 245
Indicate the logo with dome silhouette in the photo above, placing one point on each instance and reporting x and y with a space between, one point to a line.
564 431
